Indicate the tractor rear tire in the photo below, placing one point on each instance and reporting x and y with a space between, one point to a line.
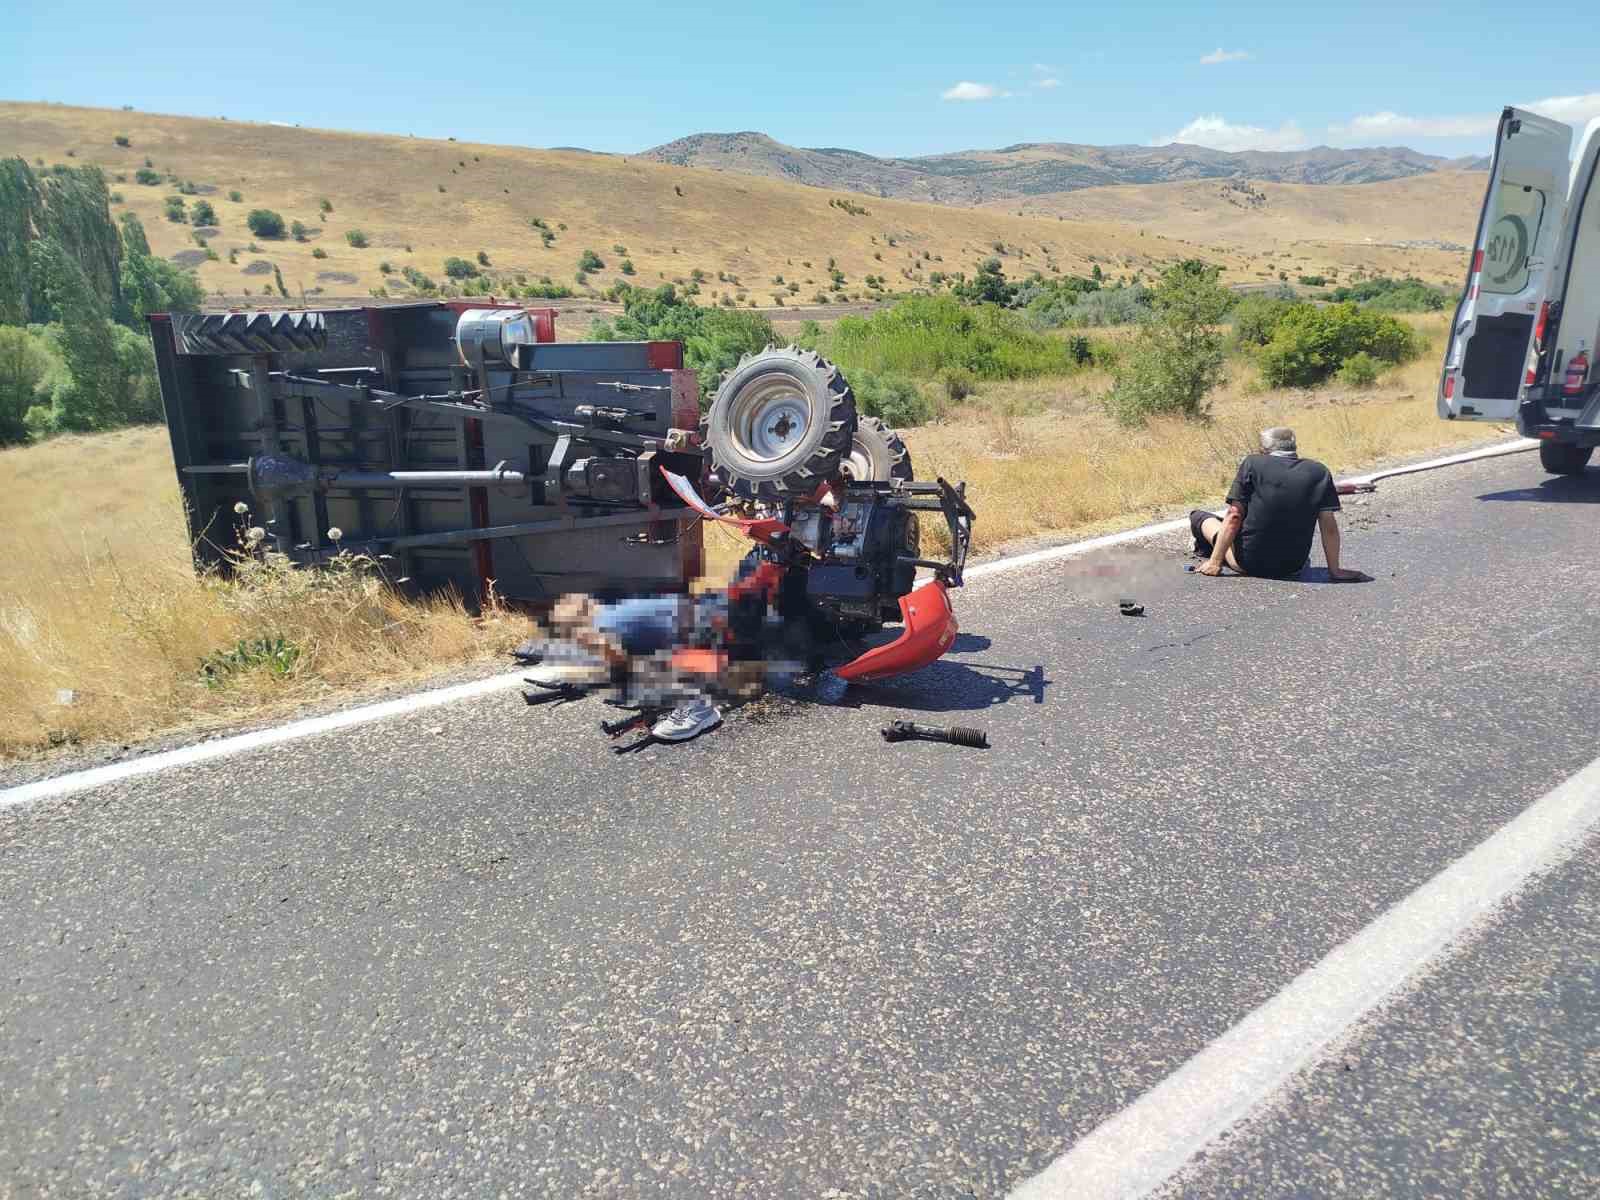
877 454
780 424
1563 458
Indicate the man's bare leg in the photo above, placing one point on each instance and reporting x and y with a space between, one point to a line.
1209 529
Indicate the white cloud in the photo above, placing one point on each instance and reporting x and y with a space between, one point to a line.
1219 55
966 90
1048 83
1392 126
1218 134
1044 69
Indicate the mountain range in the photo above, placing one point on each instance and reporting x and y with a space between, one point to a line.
1030 169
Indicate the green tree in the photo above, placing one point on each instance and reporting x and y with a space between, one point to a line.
590 261
175 210
265 223
1310 344
987 286
1177 358
24 363
357 238
201 213
151 284
459 268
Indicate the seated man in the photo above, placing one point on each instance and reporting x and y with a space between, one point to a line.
1275 502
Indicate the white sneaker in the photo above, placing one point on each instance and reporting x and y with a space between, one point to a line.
567 665
687 721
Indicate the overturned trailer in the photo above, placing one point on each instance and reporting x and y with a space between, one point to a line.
459 440
462 447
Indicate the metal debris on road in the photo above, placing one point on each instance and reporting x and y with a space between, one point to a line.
956 735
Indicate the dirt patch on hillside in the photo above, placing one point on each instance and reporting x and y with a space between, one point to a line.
189 258
259 266
335 277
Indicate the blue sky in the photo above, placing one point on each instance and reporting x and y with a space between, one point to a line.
883 78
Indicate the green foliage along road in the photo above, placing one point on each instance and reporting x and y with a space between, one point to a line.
74 292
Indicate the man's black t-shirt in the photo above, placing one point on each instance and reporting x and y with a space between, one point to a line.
1281 496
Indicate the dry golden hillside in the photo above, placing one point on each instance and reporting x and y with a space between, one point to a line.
419 201
1341 222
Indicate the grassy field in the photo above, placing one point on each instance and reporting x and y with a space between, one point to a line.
104 626
1290 225
419 201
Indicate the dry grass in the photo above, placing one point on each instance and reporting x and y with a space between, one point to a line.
1303 229
751 227
98 597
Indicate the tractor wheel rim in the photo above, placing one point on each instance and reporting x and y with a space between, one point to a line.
770 418
857 465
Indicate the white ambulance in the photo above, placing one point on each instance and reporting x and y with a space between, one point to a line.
1527 331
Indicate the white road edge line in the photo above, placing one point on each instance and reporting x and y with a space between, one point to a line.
1146 1144
63 785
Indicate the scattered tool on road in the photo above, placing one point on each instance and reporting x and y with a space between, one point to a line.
956 735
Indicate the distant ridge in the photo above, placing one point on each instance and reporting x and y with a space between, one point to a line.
1033 169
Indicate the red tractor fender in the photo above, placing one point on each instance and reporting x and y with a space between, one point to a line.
930 629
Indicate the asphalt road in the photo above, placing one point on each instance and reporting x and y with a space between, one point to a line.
475 954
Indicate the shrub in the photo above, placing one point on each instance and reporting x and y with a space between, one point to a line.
1383 294
1256 317
459 268
265 223
325 205
147 177
1178 357
299 230
236 196
1312 280
385 268
547 238
1360 370
202 213
924 336
318 252
175 209
590 261
1310 344
122 140
357 238
116 197
891 398
959 383
619 250
626 267
545 290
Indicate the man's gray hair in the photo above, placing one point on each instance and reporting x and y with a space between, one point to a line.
1279 437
